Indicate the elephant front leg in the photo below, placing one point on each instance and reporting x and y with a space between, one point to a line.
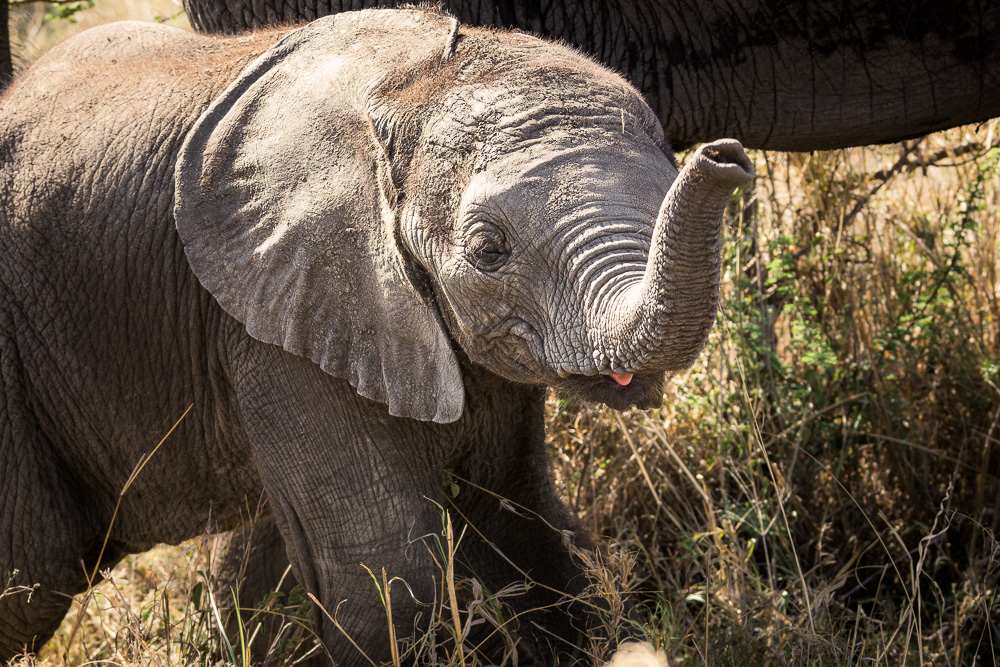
352 498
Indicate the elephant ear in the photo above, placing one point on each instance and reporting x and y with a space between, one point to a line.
282 207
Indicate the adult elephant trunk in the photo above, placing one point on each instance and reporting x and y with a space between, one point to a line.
660 323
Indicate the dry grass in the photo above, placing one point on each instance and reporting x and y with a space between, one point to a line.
142 614
820 488
32 33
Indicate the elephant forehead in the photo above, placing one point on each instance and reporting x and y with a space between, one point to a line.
524 102
547 180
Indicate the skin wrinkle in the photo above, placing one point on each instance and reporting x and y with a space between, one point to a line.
590 253
608 288
611 267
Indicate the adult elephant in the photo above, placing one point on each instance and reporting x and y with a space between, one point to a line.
360 249
6 66
793 75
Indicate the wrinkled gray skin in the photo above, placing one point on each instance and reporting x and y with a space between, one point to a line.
361 257
778 74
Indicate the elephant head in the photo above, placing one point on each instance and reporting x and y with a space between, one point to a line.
367 203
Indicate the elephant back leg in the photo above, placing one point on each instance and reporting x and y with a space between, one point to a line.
41 550
255 565
526 535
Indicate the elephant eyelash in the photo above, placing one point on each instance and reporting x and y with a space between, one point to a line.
487 250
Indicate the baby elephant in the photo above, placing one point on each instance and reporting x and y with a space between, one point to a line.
360 249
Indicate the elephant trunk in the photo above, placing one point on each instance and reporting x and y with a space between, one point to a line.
661 323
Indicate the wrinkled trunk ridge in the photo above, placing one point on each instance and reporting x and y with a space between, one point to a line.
662 322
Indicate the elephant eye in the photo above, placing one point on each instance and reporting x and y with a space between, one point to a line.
487 252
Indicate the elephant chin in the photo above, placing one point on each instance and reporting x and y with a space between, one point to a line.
644 391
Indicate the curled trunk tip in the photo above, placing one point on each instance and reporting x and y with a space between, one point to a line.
725 163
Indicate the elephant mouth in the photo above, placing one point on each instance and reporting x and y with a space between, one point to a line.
644 390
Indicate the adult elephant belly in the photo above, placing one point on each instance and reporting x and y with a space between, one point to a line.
775 75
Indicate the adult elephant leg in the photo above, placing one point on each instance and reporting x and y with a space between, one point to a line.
351 491
519 531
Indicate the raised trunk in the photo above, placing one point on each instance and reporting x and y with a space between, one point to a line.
776 74
661 322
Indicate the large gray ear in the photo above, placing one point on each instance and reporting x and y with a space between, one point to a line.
285 220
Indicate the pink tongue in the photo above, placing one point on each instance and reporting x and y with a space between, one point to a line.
622 378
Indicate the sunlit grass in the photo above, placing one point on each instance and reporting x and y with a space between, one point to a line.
31 33
821 487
